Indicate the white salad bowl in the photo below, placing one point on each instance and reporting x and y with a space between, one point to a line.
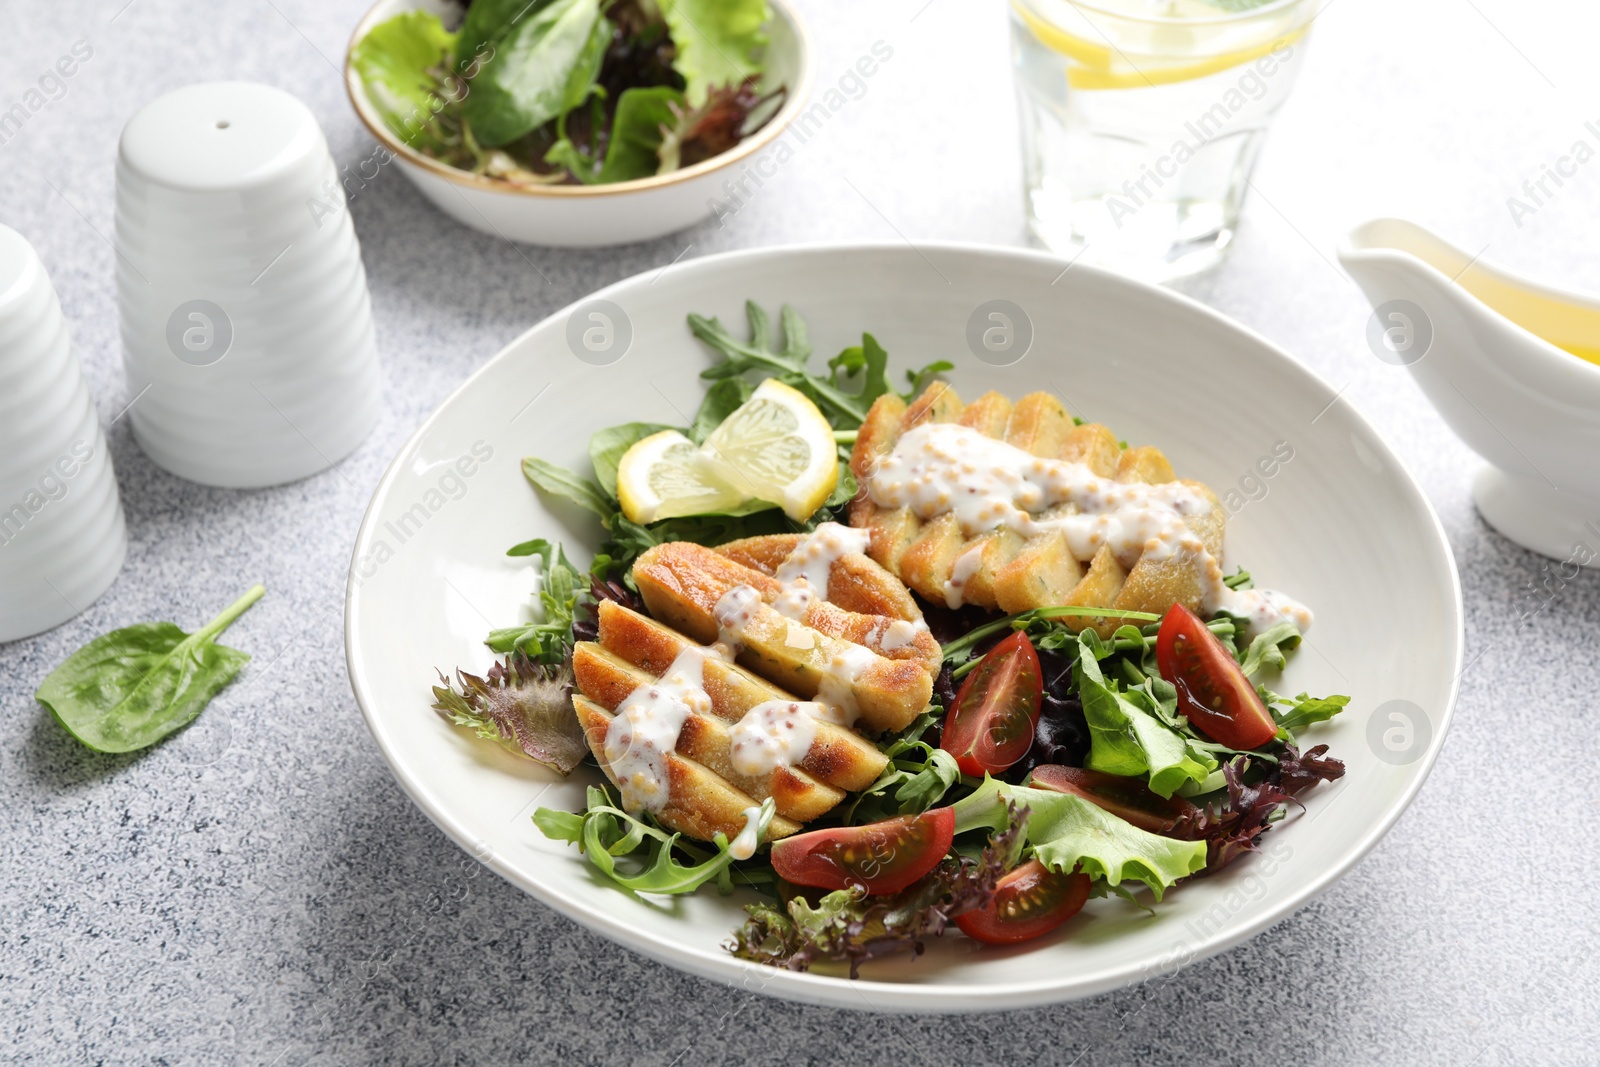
591 216
1339 524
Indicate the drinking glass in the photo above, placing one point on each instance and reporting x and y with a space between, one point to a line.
1142 119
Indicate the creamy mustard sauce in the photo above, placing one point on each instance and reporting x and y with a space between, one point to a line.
743 846
733 612
961 572
775 733
645 728
944 468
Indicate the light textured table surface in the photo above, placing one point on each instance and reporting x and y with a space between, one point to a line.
259 890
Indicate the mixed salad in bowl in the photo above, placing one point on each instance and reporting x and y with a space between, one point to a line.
536 93
897 662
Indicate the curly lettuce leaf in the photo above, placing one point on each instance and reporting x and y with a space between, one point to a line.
719 42
1067 831
397 61
525 706
1130 740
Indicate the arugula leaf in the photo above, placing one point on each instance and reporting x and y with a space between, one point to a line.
526 707
719 42
396 61
928 786
544 641
564 483
1239 579
642 117
922 378
869 362
1267 649
1130 740
543 60
128 689
607 447
788 364
1307 710
1067 831
605 832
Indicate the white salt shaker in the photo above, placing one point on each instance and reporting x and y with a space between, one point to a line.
246 323
62 538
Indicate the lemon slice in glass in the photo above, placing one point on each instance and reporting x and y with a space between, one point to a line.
665 476
777 447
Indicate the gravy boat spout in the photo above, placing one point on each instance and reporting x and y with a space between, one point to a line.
1509 363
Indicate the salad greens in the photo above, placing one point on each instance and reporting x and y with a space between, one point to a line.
855 378
128 689
523 705
1067 832
604 832
1105 709
539 92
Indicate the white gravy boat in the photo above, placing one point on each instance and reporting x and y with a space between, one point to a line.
1512 365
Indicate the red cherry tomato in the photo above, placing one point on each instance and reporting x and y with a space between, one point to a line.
1029 902
1213 692
884 857
991 726
1127 798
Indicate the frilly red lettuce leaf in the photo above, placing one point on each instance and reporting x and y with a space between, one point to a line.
1231 829
847 926
525 706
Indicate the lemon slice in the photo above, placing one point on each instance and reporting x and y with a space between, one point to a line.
1101 65
665 476
779 448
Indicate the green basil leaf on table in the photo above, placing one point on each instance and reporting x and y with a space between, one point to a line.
533 72
128 689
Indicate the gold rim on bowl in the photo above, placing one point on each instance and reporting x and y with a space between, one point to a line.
792 106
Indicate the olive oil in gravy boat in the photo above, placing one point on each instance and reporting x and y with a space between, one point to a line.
1512 365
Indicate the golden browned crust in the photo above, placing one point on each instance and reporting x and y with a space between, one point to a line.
1016 574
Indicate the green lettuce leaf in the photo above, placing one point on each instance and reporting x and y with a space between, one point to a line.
636 134
1130 740
545 60
1067 831
719 42
396 61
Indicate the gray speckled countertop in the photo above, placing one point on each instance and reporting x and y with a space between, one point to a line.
259 890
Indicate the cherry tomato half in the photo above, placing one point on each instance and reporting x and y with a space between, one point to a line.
996 710
1029 902
1127 798
1213 692
884 857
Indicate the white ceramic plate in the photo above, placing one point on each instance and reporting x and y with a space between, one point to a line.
1341 525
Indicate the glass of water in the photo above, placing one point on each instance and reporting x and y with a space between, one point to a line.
1142 119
